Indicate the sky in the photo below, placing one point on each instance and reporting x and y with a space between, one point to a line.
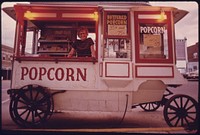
188 26
185 28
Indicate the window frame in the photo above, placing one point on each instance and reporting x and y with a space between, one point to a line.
61 15
107 37
153 21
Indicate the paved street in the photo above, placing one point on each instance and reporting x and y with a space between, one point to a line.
135 121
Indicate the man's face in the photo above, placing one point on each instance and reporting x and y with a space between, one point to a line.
83 35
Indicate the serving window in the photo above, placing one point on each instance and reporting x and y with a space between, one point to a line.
56 39
52 32
117 42
153 37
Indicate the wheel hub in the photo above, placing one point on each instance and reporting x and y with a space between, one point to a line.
32 106
181 112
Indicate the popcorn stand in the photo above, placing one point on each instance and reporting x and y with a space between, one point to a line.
135 63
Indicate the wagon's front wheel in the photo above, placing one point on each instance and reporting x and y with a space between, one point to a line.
181 110
31 106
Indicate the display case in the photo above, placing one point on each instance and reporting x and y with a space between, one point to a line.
56 41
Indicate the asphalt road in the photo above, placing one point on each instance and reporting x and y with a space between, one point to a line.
135 121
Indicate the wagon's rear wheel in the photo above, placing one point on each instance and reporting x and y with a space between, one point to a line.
181 110
31 106
151 106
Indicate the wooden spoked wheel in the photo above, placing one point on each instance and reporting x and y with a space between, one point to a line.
181 110
31 106
151 106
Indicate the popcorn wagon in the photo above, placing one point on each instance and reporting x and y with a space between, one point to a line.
134 63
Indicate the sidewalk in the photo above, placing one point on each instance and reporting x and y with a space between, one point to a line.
164 130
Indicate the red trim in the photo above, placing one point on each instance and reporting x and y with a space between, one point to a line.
17 37
137 37
133 70
55 7
67 8
137 66
119 71
21 9
55 59
101 69
97 35
174 45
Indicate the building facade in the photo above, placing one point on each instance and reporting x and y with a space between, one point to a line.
6 59
193 58
181 55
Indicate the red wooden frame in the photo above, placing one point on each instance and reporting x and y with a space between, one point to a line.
127 63
169 35
58 10
136 71
101 69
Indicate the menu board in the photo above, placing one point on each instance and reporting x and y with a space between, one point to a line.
117 24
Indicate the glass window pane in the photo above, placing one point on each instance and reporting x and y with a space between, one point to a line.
153 41
117 48
29 42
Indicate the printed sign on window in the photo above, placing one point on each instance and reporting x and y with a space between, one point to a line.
117 30
117 24
152 40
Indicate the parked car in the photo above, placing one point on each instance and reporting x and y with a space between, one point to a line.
193 74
